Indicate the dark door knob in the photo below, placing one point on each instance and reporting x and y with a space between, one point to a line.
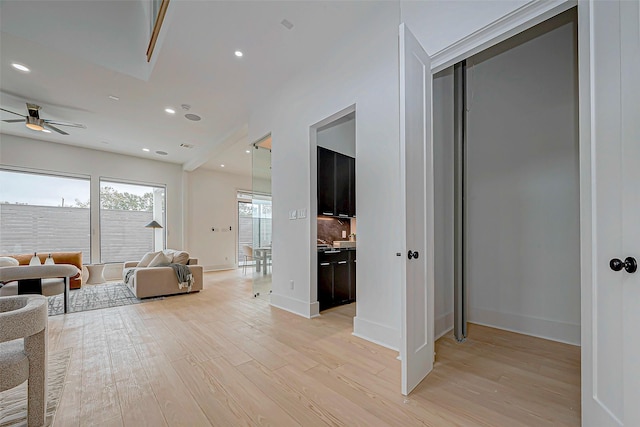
629 264
412 255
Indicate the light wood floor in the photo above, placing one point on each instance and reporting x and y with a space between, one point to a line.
223 358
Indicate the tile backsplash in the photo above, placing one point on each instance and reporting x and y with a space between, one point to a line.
330 229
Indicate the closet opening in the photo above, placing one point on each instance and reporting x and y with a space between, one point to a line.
507 231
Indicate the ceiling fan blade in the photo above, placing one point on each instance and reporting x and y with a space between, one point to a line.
14 121
60 131
74 125
17 114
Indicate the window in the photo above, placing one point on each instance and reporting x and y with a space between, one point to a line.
44 213
254 222
125 210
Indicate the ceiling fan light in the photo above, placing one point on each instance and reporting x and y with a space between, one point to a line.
34 123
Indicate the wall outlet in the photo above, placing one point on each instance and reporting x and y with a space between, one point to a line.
302 213
344 234
293 214
291 284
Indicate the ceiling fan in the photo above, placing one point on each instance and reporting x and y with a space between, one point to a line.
34 122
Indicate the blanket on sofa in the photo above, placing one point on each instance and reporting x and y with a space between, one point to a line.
128 275
185 278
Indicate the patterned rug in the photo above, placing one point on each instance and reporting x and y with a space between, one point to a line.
92 297
13 402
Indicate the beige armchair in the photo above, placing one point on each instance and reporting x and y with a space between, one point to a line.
23 350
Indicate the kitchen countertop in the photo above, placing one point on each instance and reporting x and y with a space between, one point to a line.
335 249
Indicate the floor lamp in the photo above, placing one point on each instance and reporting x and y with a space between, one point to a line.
154 224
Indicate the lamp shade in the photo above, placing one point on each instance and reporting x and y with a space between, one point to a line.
153 224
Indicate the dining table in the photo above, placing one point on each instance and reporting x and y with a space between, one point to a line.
262 256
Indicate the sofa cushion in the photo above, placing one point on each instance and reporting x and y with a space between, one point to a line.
147 258
181 257
7 261
160 260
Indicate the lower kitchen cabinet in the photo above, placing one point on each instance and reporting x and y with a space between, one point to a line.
336 278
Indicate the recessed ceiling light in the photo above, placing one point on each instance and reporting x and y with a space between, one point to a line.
221 166
161 153
20 67
192 117
115 98
46 131
248 151
146 150
170 110
238 54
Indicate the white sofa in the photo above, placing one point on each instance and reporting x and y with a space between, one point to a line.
147 282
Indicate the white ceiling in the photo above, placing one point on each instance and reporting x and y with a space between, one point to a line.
80 52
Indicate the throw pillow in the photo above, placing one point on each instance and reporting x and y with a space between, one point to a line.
181 258
7 261
161 260
147 258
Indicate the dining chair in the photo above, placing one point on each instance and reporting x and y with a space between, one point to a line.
248 255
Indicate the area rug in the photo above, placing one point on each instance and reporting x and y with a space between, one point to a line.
92 297
13 402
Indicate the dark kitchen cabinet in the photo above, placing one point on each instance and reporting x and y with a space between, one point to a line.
352 275
326 182
336 278
336 184
352 186
325 282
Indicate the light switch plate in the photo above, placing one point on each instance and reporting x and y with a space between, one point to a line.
293 214
302 213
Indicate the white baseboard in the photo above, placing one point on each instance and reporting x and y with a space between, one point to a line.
220 267
567 333
443 324
376 333
295 306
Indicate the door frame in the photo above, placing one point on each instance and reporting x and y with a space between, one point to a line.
314 305
515 22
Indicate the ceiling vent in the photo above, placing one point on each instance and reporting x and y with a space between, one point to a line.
189 146
288 25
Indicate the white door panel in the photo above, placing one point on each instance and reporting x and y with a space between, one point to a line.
630 187
611 299
417 196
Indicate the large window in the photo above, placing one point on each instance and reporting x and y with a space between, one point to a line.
125 211
44 213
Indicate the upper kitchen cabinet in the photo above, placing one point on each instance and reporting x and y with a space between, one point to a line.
336 184
337 168
326 182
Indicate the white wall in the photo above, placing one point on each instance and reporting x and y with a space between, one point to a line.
362 71
443 131
46 156
212 202
340 137
523 270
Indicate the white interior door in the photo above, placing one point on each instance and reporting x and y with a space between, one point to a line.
416 159
610 107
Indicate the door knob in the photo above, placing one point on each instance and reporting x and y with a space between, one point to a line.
629 264
412 255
